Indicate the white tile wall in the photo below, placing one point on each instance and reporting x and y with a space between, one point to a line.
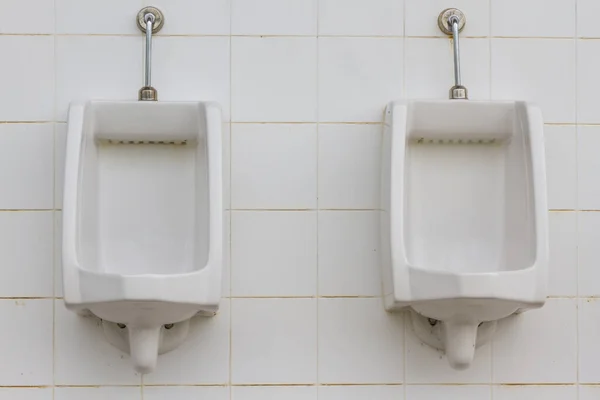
26 149
348 253
285 251
448 392
513 18
274 393
98 393
357 392
274 166
285 17
357 76
274 341
35 393
561 166
349 166
274 79
27 78
348 350
361 17
303 85
535 392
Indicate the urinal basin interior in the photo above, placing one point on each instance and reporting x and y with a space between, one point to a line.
143 197
468 203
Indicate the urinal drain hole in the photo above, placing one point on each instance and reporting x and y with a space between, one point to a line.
168 326
122 326
432 322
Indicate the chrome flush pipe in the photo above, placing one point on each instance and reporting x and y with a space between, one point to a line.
451 21
149 20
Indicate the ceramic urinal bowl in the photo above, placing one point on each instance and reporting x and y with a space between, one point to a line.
143 220
463 218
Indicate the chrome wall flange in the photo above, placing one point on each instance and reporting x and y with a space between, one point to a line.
444 20
159 19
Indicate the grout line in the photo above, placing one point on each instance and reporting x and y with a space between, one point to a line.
318 128
577 344
230 162
561 384
54 255
261 36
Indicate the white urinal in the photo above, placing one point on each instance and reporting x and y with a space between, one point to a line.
463 218
142 220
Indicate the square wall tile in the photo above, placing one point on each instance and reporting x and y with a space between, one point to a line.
74 16
587 23
83 356
448 392
274 393
537 70
589 392
274 166
563 254
274 253
60 147
429 72
353 392
186 393
17 16
589 348
525 345
426 365
193 17
26 394
274 341
358 77
539 18
274 17
204 356
27 252
98 393
361 17
349 163
535 392
274 79
27 78
28 323
421 17
588 253
97 67
588 81
26 166
349 253
181 72
359 342
561 166
588 167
